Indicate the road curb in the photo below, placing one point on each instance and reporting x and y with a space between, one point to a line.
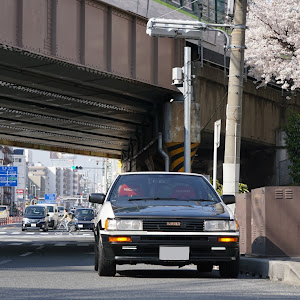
286 271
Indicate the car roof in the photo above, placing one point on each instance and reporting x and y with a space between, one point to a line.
160 173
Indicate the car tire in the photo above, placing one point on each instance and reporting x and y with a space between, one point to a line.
105 267
96 256
23 229
204 267
45 229
230 269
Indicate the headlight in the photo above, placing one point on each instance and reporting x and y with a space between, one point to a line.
220 225
42 220
112 224
25 220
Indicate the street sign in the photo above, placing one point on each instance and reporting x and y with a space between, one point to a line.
8 176
50 198
19 191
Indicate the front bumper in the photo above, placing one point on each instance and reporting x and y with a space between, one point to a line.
32 225
85 224
148 249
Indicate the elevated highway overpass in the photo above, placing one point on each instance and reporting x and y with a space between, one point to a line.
83 77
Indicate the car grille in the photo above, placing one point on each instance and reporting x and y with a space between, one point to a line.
171 225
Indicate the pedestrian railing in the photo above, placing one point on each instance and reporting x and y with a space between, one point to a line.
10 220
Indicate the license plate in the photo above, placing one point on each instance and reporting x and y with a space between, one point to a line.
80 225
33 225
174 253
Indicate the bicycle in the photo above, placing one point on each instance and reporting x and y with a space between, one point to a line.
62 227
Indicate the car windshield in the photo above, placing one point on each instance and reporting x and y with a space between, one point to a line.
81 213
50 208
2 208
161 189
35 211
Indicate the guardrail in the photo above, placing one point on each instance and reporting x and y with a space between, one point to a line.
10 220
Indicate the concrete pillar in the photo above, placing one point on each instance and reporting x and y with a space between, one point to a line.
174 133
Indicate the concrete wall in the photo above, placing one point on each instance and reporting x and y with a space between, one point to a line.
263 113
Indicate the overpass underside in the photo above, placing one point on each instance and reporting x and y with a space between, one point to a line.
83 77
80 77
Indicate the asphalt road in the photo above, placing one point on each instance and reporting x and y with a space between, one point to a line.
55 268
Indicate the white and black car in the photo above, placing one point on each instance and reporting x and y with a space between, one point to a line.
165 218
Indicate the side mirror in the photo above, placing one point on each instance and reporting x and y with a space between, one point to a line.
47 215
228 199
97 198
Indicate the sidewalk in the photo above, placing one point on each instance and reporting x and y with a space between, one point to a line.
281 269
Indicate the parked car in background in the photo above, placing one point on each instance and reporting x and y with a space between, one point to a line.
165 218
4 211
35 217
53 214
85 218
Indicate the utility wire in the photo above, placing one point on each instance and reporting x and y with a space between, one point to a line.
224 97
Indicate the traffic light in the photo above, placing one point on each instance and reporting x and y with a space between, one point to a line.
77 167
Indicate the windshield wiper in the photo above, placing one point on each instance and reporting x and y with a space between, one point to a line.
150 198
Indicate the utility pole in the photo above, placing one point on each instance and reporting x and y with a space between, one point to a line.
187 88
231 166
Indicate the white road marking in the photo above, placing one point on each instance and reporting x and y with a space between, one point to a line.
3 232
26 254
16 233
2 262
39 248
44 233
82 245
29 233
60 244
15 244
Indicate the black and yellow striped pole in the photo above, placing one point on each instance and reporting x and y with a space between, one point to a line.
176 155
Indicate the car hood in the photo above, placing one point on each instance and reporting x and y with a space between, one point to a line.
84 218
181 211
33 217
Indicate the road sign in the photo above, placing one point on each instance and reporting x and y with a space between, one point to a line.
49 198
19 191
8 176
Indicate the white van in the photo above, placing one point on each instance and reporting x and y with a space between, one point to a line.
53 214
4 211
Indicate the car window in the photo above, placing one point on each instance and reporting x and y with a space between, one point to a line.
159 187
2 208
80 213
50 209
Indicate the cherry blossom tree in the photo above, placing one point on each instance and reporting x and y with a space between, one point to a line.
273 42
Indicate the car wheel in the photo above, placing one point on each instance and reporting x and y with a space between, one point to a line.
23 229
96 257
205 267
105 267
230 269
45 228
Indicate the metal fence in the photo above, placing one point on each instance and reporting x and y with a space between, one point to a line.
10 220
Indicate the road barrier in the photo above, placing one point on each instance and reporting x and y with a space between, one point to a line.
10 220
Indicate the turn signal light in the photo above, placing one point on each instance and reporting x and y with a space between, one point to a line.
119 239
228 239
